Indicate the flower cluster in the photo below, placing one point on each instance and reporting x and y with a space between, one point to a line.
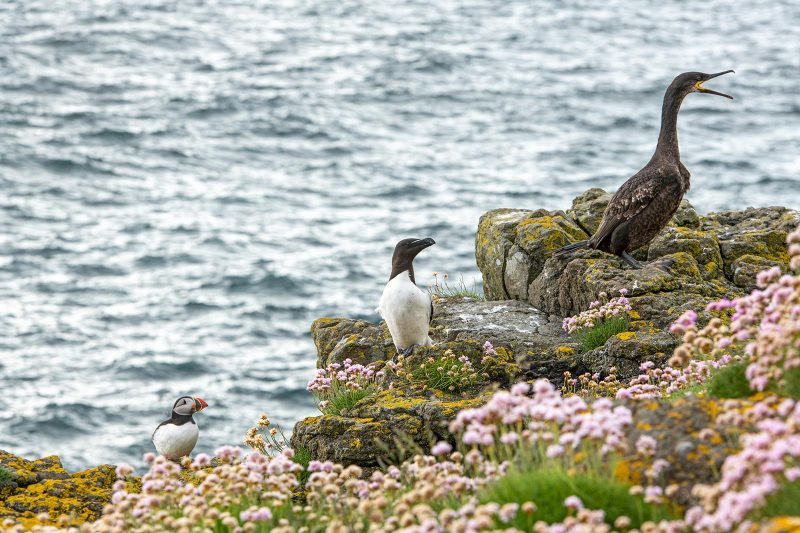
266 438
598 312
450 373
764 326
545 427
769 459
237 493
654 382
592 385
340 386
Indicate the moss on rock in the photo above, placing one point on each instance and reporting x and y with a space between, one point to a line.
44 486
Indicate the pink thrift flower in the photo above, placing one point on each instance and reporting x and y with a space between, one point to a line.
441 448
573 502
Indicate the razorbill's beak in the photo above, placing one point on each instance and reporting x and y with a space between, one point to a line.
423 243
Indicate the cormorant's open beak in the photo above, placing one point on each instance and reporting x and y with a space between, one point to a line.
199 404
699 85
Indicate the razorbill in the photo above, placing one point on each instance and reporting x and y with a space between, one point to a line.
175 438
406 309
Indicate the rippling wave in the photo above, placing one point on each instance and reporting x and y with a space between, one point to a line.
185 186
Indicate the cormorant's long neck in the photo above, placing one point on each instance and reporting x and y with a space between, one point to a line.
668 136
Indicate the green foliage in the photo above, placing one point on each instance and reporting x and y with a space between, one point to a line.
548 488
785 502
302 457
591 338
458 289
730 382
791 386
687 391
342 399
5 475
448 374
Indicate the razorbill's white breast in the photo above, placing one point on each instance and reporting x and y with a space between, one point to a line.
406 309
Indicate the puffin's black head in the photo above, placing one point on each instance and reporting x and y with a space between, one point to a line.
188 405
404 253
690 82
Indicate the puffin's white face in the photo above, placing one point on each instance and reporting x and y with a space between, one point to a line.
187 405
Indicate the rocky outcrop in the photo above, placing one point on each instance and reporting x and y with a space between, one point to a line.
388 426
43 487
694 260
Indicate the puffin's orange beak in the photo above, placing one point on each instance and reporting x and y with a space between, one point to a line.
199 404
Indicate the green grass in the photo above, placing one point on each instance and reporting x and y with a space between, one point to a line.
591 338
785 502
302 457
5 475
342 400
457 289
447 374
730 382
686 391
792 386
548 488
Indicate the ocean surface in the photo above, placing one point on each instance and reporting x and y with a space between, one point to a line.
185 185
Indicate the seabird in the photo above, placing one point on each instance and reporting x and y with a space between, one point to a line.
646 202
175 438
406 309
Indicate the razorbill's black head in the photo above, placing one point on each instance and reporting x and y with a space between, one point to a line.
176 437
404 253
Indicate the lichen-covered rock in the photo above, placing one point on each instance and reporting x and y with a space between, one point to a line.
745 269
693 457
382 428
536 340
338 339
626 351
701 245
759 232
693 260
406 414
588 207
44 486
493 241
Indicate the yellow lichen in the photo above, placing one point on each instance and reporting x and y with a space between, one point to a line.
565 351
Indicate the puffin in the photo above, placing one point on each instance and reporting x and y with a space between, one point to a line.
406 309
175 437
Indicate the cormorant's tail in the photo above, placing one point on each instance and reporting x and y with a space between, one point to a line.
571 248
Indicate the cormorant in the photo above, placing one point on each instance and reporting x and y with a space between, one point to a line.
646 202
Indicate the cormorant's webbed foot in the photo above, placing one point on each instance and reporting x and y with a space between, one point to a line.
630 260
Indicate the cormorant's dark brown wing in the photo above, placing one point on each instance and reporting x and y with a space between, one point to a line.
430 315
634 195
